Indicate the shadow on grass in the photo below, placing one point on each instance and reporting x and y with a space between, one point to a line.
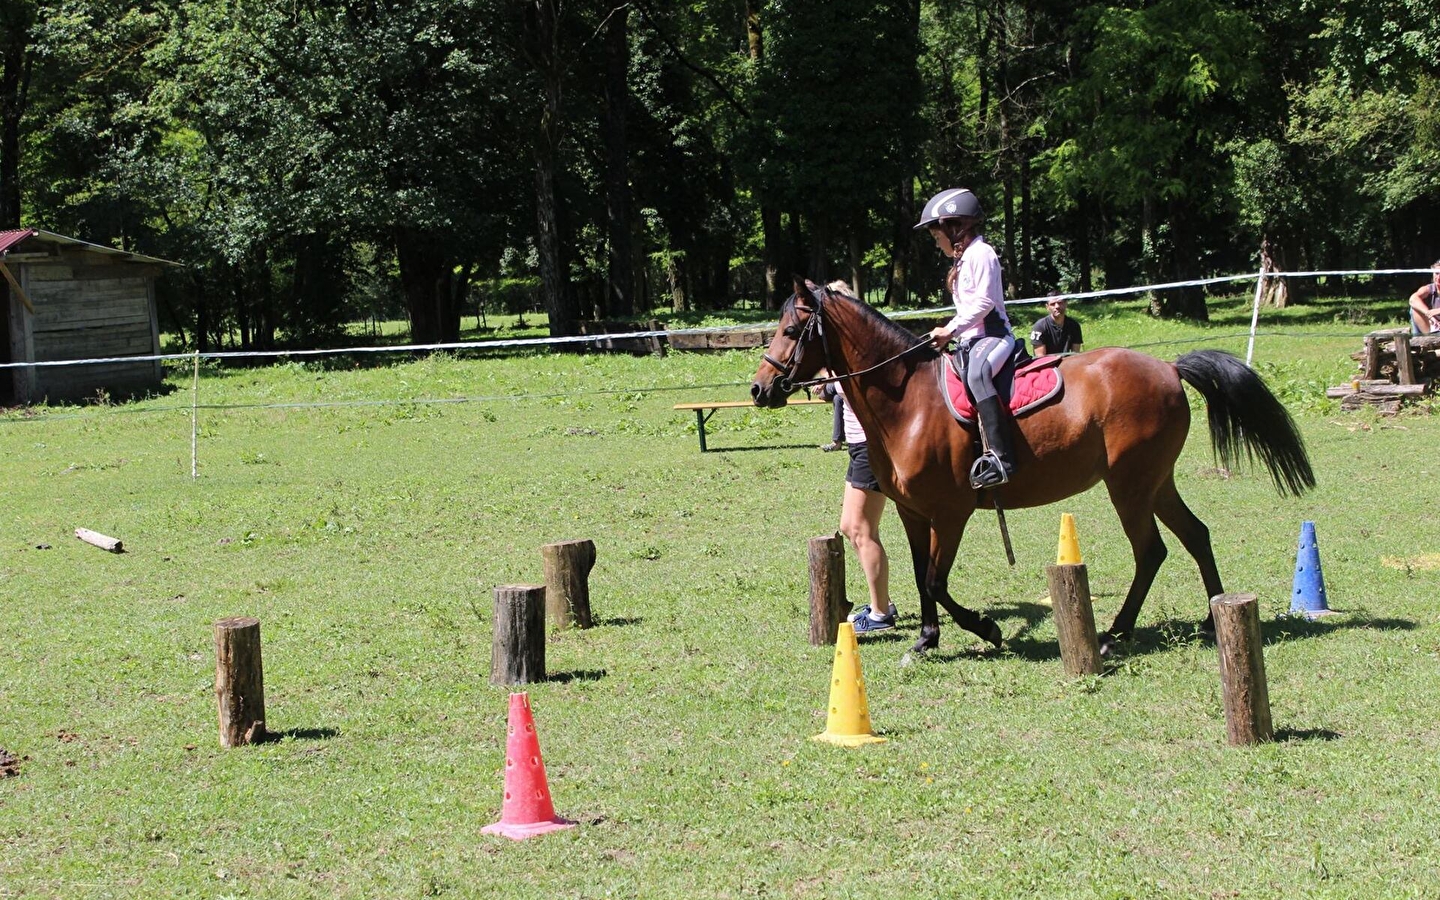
301 734
1289 735
577 675
764 447
618 621
1287 627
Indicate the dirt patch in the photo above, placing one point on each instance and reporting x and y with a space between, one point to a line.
1423 561
9 764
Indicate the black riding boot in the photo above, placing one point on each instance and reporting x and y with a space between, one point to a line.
995 466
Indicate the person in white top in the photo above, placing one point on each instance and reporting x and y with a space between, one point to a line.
953 218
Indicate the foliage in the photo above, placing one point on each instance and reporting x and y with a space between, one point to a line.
321 162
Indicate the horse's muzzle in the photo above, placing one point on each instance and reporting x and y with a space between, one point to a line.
772 397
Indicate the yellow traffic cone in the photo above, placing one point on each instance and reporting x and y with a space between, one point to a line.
849 721
1069 552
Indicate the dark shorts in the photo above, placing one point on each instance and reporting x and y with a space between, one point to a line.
859 474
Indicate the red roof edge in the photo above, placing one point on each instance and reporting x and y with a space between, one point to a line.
9 239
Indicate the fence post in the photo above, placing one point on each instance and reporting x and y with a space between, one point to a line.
827 588
1255 314
1074 619
239 681
567 582
517 646
1242 668
195 419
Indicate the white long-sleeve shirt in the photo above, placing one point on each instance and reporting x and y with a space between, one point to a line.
978 289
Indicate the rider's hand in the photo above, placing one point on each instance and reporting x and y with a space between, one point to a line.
939 337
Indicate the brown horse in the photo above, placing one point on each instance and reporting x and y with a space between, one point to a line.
1122 419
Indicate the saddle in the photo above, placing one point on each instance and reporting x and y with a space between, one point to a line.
1027 388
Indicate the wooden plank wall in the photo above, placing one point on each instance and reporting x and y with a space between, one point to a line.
87 306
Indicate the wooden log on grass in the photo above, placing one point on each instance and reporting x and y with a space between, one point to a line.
827 589
517 647
103 541
239 681
1372 356
567 582
1242 668
1404 362
1074 618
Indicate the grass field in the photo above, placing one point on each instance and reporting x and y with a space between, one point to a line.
368 539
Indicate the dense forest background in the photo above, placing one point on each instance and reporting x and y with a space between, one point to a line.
314 162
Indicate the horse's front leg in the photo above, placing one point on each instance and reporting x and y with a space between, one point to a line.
944 544
917 534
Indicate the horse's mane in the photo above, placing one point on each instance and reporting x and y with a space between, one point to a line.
888 330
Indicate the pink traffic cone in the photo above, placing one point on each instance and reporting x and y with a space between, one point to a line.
527 810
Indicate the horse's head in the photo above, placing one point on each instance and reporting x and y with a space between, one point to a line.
797 351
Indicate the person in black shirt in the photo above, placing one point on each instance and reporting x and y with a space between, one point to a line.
1056 332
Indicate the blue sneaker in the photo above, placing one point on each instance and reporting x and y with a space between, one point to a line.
867 625
865 611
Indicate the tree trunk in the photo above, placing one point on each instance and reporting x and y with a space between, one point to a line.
425 276
620 294
857 269
819 267
556 291
1181 259
752 29
1082 251
897 292
776 282
1026 282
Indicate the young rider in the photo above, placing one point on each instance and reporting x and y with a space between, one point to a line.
953 218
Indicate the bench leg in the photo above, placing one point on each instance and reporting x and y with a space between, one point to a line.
700 426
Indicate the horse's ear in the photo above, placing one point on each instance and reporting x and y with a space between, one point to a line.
801 283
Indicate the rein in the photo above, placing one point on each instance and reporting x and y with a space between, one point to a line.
816 325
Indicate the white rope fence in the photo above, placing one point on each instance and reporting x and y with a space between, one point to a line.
195 356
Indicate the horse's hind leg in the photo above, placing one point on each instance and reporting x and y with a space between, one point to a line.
1137 517
1194 537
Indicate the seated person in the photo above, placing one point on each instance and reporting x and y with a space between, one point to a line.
1056 332
1425 305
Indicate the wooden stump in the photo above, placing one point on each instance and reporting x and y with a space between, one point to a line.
1074 618
239 681
1404 362
517 649
567 582
827 588
1242 668
1372 356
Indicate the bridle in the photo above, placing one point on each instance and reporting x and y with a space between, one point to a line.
814 326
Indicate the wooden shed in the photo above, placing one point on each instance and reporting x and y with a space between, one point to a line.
68 299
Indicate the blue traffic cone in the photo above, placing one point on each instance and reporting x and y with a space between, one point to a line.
1308 596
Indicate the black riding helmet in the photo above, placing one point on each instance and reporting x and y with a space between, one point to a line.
948 205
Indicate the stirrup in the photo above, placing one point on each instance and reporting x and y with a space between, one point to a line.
988 471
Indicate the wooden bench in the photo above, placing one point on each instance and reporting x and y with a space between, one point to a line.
701 416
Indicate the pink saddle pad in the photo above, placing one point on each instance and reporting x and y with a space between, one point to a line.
1036 383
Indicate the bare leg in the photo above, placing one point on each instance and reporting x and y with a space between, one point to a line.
860 522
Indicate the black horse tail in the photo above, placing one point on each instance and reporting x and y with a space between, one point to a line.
1245 416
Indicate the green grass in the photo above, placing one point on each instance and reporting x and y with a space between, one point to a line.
367 539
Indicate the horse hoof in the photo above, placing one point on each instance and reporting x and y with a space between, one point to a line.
993 634
926 642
